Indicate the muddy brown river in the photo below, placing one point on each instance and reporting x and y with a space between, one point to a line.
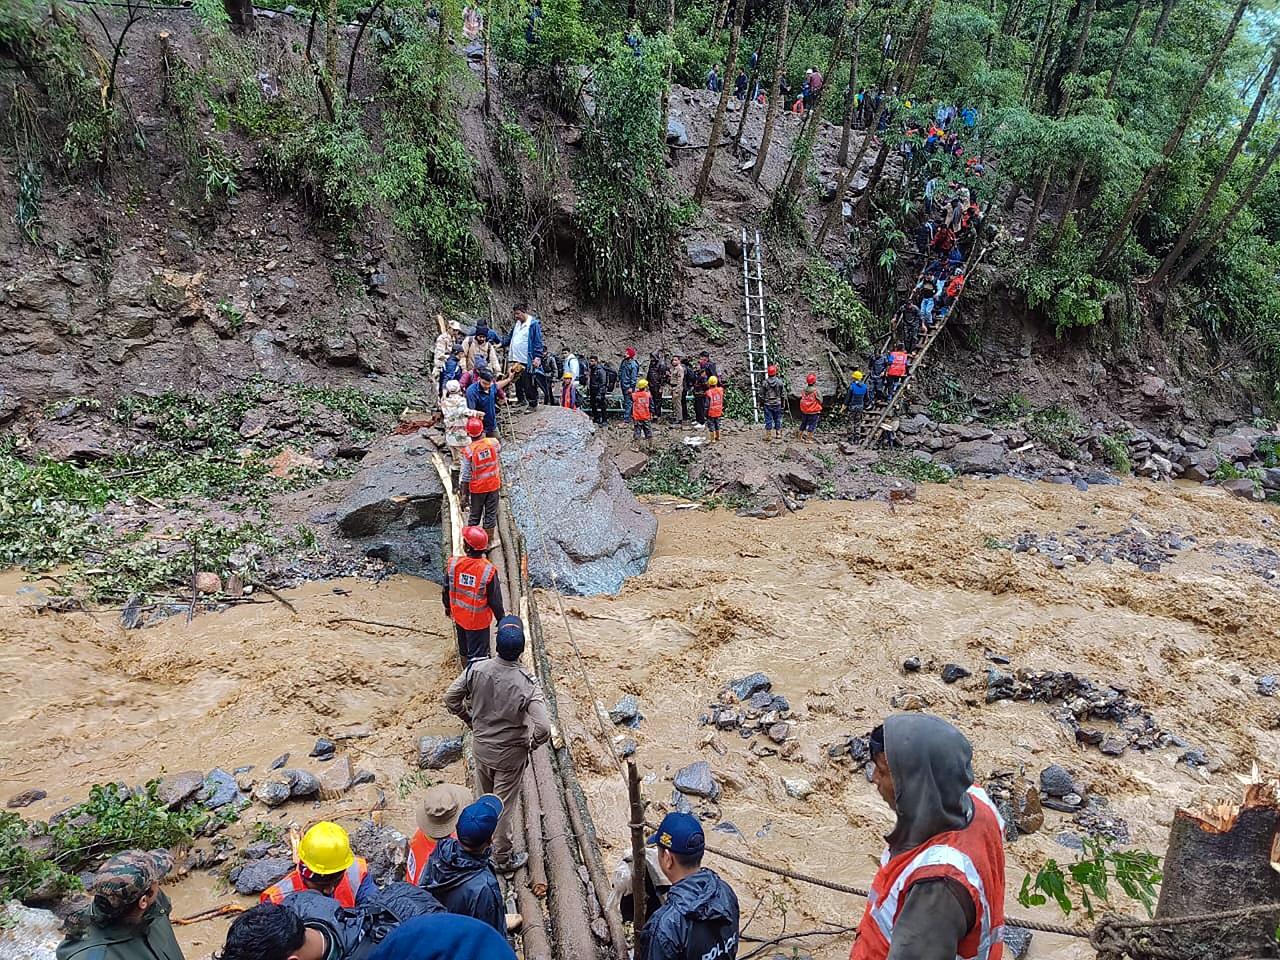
827 601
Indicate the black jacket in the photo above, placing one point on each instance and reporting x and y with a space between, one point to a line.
465 884
353 932
699 921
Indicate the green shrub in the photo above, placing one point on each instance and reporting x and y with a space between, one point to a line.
330 163
911 467
1056 427
1116 452
837 306
667 474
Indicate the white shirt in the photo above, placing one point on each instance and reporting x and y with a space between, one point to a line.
518 352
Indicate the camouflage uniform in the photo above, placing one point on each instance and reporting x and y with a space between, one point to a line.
121 882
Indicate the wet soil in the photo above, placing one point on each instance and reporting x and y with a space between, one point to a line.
828 601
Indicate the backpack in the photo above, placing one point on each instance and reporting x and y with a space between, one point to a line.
610 378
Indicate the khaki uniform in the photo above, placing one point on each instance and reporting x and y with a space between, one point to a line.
504 707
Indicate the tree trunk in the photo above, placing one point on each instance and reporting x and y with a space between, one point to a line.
1211 193
773 96
873 178
722 10
803 149
1037 207
240 13
1040 55
752 76
666 91
1157 34
331 40
842 155
1259 174
1125 47
835 212
726 91
1219 861
1119 231
918 43
1073 191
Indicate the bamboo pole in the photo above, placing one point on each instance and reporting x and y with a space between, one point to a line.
639 866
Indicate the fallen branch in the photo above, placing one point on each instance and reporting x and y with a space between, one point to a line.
375 623
225 910
275 595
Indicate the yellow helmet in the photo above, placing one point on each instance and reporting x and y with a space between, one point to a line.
326 849
642 384
712 381
857 374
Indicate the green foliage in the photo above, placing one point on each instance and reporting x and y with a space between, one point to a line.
512 211
1056 427
1009 408
27 211
1086 884
1070 295
695 53
629 220
837 306
1116 453
211 169
950 402
710 329
329 163
902 464
562 37
667 474
737 403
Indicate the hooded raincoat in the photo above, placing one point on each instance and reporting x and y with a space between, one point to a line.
699 921
465 884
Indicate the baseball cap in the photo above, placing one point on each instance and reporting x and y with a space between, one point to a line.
440 808
479 820
510 639
128 875
680 833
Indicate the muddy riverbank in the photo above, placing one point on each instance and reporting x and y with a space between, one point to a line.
829 602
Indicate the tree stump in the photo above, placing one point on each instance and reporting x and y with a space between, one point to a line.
1220 859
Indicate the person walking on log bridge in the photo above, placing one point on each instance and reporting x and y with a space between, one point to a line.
480 480
503 706
472 595
940 891
460 874
129 916
437 819
326 865
699 920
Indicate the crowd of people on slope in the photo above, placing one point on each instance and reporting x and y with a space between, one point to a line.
943 869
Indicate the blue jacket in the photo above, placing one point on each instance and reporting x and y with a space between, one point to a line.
452 370
699 921
537 346
465 884
443 936
857 395
629 374
486 401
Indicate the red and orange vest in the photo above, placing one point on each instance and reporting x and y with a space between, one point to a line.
973 857
810 402
345 893
469 579
715 402
420 850
897 364
486 471
640 409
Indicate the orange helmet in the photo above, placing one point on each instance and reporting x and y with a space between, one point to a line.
475 426
475 538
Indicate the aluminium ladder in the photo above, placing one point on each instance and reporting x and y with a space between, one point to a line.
755 318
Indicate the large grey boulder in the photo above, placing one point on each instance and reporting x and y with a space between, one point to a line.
392 505
976 456
28 933
585 531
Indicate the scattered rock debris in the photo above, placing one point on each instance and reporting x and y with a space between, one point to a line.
1147 551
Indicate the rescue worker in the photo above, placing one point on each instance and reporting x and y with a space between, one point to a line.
460 873
327 865
679 390
628 377
774 395
810 408
715 407
437 818
940 891
480 480
568 391
954 286
503 706
704 371
897 369
642 415
699 919
472 595
856 402
129 916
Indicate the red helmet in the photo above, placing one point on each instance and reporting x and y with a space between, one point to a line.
475 538
631 351
773 369
475 426
811 379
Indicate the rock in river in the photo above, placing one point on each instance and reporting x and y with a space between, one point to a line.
436 753
25 798
748 686
176 788
256 875
953 672
586 532
696 780
797 789
626 711
219 789
1055 781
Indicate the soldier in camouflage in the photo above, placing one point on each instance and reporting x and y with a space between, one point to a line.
129 916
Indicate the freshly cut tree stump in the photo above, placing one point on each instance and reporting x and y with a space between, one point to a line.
1223 858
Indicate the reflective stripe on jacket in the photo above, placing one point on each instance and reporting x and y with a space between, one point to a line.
715 402
469 579
972 857
420 848
486 469
344 893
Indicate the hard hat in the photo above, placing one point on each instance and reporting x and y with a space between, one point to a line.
475 426
475 538
811 379
325 849
773 370
857 374
567 376
631 351
642 384
712 380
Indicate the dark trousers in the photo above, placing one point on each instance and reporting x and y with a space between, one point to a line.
657 402
526 389
684 405
472 644
597 406
544 384
484 510
700 407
